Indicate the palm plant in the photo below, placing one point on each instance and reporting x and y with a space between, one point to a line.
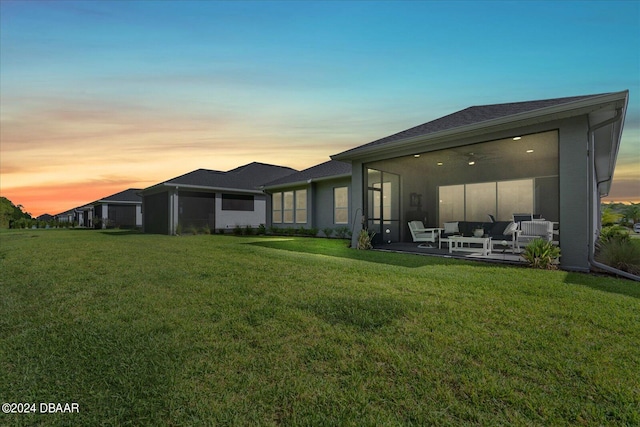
632 213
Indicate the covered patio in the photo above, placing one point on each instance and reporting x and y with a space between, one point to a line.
464 189
499 255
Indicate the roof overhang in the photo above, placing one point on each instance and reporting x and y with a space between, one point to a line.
438 139
605 127
168 185
305 182
116 202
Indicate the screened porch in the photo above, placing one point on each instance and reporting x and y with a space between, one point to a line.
480 183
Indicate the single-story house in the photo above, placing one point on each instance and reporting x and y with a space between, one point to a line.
67 216
209 198
317 197
553 158
45 217
120 210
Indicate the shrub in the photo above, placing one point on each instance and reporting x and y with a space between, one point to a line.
248 230
342 232
622 254
179 229
541 253
327 231
192 229
205 230
237 230
364 240
615 232
262 229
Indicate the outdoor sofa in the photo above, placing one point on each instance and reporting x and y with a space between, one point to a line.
501 232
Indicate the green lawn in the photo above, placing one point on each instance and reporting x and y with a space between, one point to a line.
215 330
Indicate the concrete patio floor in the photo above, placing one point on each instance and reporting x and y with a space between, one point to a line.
431 249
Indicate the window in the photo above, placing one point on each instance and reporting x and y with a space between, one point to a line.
301 206
289 207
341 205
277 208
237 202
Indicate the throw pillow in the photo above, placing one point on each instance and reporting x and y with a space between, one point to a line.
451 227
510 229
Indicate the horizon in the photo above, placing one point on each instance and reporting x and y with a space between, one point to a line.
99 97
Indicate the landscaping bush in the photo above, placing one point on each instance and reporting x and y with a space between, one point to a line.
343 232
615 232
541 253
237 230
248 230
364 240
262 230
327 231
620 253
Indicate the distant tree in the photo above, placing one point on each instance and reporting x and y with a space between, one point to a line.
610 216
10 213
6 212
631 212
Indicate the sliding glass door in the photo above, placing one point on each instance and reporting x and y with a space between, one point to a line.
475 202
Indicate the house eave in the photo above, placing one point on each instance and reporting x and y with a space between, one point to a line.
168 185
305 182
115 202
557 112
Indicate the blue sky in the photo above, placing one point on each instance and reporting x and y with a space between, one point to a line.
101 96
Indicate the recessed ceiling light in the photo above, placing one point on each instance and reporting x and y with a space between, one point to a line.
517 138
471 163
440 163
529 151
416 155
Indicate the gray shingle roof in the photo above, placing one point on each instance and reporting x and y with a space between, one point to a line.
129 195
323 170
469 116
247 177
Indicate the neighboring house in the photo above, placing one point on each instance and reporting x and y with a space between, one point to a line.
552 157
120 210
317 197
67 216
84 216
208 198
45 217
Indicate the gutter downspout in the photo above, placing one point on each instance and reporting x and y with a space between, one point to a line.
592 169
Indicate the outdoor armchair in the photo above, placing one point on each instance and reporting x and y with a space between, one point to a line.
420 233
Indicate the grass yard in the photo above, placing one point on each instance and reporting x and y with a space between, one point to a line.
220 330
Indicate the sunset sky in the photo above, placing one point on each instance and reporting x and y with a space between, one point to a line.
97 97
